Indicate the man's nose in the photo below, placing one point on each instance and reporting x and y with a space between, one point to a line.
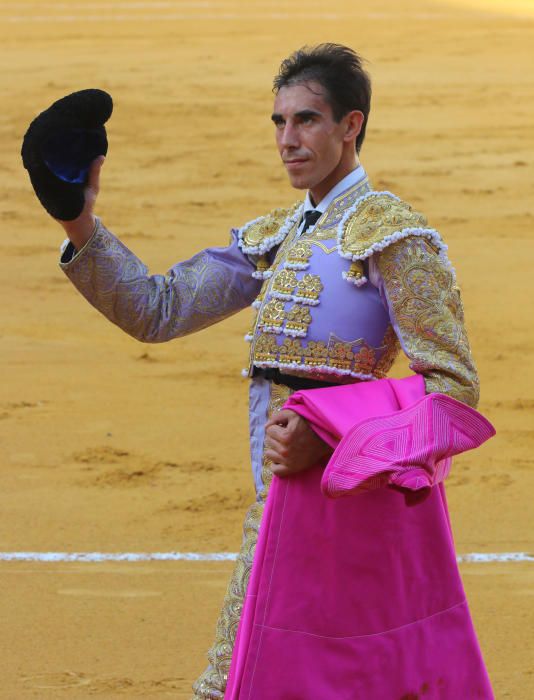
289 137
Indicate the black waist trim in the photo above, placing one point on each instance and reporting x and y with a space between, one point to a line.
273 374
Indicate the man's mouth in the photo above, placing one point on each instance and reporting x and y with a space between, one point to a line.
294 163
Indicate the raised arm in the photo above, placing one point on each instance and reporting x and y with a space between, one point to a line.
418 285
192 295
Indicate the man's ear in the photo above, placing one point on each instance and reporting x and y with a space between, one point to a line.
354 123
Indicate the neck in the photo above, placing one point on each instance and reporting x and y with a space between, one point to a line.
344 167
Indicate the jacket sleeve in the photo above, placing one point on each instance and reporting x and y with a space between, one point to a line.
192 295
417 283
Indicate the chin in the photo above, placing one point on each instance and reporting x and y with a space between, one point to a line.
299 183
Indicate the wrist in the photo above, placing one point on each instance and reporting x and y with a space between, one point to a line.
80 230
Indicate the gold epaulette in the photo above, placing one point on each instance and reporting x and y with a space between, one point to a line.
260 235
375 222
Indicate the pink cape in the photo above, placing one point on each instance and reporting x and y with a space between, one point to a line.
355 598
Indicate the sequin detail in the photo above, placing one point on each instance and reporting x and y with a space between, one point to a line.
298 256
284 282
298 318
355 273
309 288
354 359
427 308
272 316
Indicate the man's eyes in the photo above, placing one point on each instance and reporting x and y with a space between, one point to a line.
305 119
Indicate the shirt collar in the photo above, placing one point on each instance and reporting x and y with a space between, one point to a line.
349 180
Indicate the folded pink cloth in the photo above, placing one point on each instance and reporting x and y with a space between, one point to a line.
357 598
410 448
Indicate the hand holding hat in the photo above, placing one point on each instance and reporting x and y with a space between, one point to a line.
60 146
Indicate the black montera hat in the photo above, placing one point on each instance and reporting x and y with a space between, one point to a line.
60 145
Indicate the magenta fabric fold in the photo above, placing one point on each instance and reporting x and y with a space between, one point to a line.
411 446
356 598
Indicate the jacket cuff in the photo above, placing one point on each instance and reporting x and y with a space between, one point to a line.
69 254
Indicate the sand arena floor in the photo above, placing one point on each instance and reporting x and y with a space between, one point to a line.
108 445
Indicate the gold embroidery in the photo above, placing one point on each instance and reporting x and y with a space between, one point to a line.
356 271
324 248
364 359
325 227
281 253
340 355
392 348
258 301
354 358
262 264
377 217
284 282
376 213
267 284
211 685
267 226
298 320
250 335
315 353
427 306
290 351
279 395
265 348
309 288
272 316
298 256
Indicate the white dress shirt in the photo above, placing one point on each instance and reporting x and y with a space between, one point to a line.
348 181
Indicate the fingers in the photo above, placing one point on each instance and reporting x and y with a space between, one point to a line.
274 456
280 418
281 458
278 433
280 470
275 450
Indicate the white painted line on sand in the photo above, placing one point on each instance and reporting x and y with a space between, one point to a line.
473 557
118 556
485 557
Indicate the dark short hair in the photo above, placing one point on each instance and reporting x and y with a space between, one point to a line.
339 70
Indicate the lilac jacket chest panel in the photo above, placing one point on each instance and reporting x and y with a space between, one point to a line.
314 320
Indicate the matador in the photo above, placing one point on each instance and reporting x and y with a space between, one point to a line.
340 282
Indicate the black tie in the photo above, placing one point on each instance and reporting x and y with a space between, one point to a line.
310 218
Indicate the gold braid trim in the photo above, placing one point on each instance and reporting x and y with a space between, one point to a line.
212 682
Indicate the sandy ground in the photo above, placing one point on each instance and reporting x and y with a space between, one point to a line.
109 445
